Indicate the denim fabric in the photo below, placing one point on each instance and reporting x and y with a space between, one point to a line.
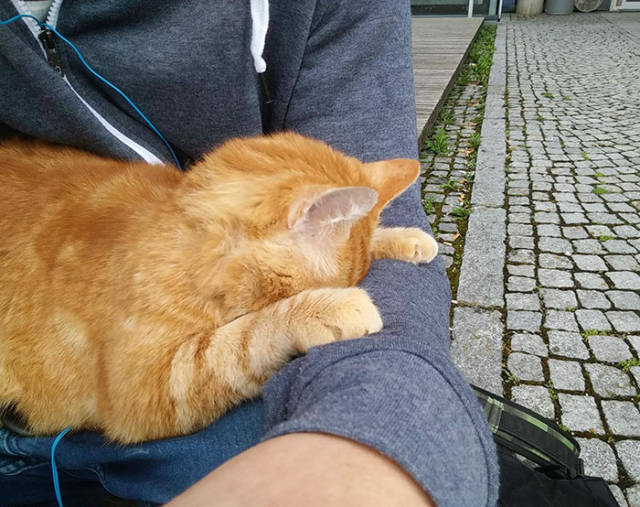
151 472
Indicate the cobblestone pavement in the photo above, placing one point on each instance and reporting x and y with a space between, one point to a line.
548 301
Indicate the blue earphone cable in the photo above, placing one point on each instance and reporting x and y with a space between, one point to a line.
54 468
101 78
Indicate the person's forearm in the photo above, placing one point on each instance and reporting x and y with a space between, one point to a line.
310 469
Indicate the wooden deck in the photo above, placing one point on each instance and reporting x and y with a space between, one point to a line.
440 45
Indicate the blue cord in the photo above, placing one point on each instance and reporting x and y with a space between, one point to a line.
54 468
105 81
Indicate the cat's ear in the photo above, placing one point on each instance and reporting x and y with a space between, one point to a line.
391 177
328 209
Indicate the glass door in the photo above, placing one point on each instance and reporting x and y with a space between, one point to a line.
453 7
632 5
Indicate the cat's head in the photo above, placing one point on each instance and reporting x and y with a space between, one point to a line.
287 213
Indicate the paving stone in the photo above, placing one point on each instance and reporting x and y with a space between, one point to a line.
593 299
635 371
520 284
476 347
624 279
525 366
535 398
548 230
622 262
567 344
627 231
624 322
448 227
589 262
555 245
520 230
573 218
555 319
610 349
552 261
619 246
573 232
628 451
530 343
521 270
522 242
561 299
618 495
633 495
546 217
522 218
588 246
565 197
609 381
622 417
592 319
519 301
544 205
566 375
603 218
481 279
624 300
521 256
524 321
599 459
554 278
599 230
591 281
579 413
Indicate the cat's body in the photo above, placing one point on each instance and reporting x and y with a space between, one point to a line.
144 302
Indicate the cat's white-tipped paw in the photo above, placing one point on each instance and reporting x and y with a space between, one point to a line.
408 244
357 315
419 246
331 315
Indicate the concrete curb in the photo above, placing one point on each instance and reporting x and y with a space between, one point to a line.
477 332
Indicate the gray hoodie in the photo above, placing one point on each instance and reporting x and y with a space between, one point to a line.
339 71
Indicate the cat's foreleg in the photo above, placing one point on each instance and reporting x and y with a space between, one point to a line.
403 243
243 354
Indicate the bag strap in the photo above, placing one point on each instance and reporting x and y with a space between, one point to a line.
530 435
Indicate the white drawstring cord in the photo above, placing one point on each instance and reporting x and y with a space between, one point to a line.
259 27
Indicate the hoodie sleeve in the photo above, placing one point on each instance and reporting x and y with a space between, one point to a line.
397 391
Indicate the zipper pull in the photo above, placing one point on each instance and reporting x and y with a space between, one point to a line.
48 39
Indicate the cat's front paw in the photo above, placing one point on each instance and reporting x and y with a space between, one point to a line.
418 246
408 244
337 314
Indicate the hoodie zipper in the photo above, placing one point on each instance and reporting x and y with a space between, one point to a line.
48 40
49 47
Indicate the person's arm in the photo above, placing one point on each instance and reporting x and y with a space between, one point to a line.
393 405
310 469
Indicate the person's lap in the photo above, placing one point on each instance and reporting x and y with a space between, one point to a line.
153 471
407 361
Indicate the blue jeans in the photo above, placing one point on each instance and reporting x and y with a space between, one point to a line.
89 466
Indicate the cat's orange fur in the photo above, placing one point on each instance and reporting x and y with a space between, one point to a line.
144 302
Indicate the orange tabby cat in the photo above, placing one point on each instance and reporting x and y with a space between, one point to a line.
145 302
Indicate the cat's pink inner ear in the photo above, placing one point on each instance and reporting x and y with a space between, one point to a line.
332 207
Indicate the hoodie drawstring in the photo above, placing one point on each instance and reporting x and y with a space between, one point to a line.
259 27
